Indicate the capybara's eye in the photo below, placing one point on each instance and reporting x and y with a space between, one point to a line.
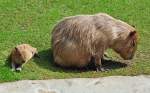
19 54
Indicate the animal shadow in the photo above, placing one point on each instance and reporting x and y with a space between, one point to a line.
107 64
112 64
8 62
45 59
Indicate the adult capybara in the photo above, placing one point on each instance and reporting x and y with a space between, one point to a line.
77 39
21 54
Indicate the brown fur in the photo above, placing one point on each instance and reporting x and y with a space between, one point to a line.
78 38
21 54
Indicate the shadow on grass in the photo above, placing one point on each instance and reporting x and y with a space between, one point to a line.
112 64
46 61
8 62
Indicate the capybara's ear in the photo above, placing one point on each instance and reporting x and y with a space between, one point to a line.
132 33
16 48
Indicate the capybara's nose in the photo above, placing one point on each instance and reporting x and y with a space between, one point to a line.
23 61
36 55
130 57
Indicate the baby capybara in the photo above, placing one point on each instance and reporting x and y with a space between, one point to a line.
77 39
20 55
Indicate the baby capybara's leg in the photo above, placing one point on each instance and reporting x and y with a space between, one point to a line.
16 67
19 67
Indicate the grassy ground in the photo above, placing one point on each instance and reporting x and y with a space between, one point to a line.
31 21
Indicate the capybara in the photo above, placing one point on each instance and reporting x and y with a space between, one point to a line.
20 55
77 39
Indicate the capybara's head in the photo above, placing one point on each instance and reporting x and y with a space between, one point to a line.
126 48
23 54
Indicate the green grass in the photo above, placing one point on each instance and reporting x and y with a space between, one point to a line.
31 21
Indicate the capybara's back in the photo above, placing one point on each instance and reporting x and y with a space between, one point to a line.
78 38
68 41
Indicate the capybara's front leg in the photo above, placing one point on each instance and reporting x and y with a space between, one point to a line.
98 64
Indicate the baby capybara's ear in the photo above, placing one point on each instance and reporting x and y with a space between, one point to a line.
16 49
36 53
131 34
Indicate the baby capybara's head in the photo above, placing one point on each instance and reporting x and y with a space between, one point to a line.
126 48
23 53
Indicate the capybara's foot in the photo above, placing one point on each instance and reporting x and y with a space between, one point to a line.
18 69
99 68
102 69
